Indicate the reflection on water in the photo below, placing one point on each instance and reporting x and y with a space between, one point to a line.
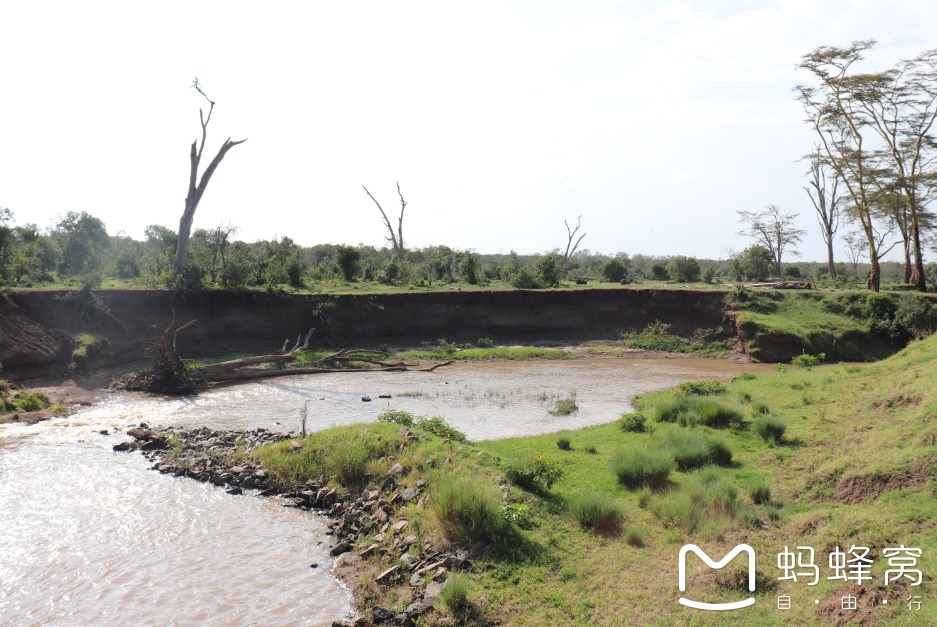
88 536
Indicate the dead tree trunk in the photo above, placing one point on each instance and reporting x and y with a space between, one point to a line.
396 239
196 191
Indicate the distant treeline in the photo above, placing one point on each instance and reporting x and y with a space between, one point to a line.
78 248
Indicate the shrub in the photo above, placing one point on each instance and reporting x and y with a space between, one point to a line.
591 450
638 467
535 474
808 361
454 595
771 428
524 279
30 400
709 387
760 492
438 426
397 417
484 342
565 406
597 512
745 376
467 511
564 443
632 423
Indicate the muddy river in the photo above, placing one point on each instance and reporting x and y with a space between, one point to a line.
89 536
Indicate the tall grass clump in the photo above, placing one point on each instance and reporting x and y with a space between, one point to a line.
706 503
565 406
710 387
598 513
691 411
771 428
694 449
564 443
760 492
632 423
454 595
638 467
536 473
468 511
31 400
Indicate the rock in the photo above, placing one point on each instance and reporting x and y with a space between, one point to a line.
295 445
387 573
404 432
396 469
217 480
384 396
410 493
400 525
415 581
104 432
409 540
381 615
367 399
370 549
408 559
342 547
420 483
431 595
235 491
123 446
314 565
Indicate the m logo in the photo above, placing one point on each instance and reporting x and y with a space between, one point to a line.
741 548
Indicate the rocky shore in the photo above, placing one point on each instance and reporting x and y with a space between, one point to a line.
420 572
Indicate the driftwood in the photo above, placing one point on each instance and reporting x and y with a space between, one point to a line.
783 285
241 369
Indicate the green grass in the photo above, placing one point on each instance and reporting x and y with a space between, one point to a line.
454 596
637 467
597 512
692 411
845 426
565 406
771 428
30 400
467 510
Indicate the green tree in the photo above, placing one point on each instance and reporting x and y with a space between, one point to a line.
685 269
6 242
614 270
773 230
468 268
348 258
84 243
756 263
549 267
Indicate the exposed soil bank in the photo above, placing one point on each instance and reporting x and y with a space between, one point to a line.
39 330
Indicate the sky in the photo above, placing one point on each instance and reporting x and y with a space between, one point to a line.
656 121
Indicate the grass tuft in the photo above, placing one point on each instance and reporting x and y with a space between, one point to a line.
467 510
638 467
598 513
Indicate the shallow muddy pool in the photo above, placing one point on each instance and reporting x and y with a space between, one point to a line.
485 400
89 536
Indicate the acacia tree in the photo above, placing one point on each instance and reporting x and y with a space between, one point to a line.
855 247
900 104
570 246
197 190
396 240
774 230
823 190
835 115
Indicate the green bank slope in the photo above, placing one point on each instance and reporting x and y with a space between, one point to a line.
832 458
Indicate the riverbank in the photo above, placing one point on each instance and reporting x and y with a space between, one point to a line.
556 530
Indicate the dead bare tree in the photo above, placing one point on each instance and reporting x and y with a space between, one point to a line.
197 190
570 246
823 191
396 240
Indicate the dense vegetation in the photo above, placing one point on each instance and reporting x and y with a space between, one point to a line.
78 250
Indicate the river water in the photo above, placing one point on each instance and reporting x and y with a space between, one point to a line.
89 536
